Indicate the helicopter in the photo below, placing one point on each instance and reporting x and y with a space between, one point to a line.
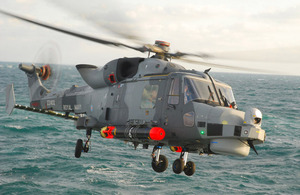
147 101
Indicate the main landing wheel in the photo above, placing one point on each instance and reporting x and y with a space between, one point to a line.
78 148
161 165
190 168
178 166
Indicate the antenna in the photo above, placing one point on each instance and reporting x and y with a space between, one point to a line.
207 70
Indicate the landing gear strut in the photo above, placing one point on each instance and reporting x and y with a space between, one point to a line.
159 162
79 145
181 164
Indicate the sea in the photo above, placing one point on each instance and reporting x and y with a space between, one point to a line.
37 151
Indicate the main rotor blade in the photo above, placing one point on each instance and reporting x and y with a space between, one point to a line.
178 55
272 55
120 25
75 34
278 55
225 66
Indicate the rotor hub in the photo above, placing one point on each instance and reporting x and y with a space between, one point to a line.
45 72
163 45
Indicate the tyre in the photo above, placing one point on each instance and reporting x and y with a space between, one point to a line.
78 148
178 166
161 165
190 168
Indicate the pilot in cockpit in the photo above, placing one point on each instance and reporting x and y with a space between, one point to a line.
188 94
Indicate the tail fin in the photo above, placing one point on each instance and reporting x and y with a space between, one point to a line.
36 89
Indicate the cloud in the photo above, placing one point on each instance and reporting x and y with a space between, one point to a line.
281 15
192 26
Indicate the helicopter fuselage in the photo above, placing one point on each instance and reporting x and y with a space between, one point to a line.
194 111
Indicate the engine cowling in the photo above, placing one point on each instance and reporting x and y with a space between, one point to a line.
113 72
92 75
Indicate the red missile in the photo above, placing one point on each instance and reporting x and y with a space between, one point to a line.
123 132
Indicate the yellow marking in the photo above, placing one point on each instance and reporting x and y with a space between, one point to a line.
101 132
103 128
245 122
254 116
224 122
257 131
159 75
172 148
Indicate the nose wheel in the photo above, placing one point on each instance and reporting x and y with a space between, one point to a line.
178 166
159 162
181 165
189 168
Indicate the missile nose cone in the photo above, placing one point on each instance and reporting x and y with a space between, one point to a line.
157 133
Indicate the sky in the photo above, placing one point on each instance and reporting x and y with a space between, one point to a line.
255 34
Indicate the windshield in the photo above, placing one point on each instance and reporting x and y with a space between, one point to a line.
198 89
226 95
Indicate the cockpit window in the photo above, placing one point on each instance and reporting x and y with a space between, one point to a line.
226 95
198 89
149 96
211 94
189 91
201 90
174 92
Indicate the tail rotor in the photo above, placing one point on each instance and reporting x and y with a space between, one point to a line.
47 60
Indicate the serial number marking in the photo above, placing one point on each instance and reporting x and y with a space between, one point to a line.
67 107
50 102
77 107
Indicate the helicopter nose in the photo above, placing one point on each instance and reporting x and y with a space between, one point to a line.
230 131
235 132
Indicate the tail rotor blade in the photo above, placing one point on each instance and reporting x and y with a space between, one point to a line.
48 59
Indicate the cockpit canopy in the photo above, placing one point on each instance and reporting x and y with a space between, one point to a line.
202 90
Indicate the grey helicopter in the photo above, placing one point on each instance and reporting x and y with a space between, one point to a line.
147 101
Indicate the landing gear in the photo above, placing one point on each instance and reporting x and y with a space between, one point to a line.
159 162
78 148
181 164
79 145
189 168
178 166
